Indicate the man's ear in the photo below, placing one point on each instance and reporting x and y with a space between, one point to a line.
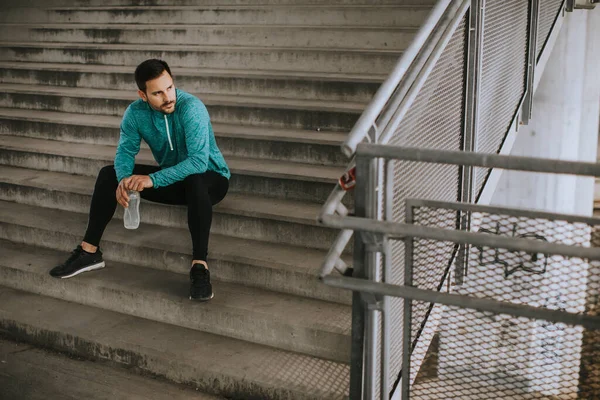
142 95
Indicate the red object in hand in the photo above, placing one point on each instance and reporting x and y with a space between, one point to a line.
348 180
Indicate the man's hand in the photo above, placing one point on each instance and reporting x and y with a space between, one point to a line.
134 182
137 182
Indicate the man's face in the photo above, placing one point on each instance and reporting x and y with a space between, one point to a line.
160 93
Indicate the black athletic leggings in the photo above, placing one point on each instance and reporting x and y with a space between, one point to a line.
199 191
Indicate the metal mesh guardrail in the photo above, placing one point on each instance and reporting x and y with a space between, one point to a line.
460 86
503 74
549 10
434 120
484 355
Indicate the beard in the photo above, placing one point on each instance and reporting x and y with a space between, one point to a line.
164 108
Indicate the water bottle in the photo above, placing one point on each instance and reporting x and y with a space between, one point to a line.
131 218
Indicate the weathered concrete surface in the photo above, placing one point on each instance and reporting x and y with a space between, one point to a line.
275 319
272 178
288 85
274 267
29 373
214 364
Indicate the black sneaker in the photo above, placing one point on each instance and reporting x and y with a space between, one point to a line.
200 288
79 261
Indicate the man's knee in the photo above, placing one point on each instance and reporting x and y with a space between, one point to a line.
107 174
194 181
195 187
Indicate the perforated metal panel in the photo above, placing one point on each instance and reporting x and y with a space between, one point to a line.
549 10
484 355
435 120
503 75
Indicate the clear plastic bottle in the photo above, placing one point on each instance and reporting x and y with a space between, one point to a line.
131 217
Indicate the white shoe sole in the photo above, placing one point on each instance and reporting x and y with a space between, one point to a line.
203 299
86 269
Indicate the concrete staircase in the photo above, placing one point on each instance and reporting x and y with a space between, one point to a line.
284 81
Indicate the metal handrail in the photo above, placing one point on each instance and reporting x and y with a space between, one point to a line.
385 91
481 304
378 124
400 231
401 88
431 54
486 160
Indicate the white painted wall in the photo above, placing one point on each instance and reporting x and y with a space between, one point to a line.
535 356
564 125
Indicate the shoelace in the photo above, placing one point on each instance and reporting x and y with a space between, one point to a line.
75 254
199 276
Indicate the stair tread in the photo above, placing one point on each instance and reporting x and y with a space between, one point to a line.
207 98
220 129
206 356
202 72
168 286
132 26
31 373
248 7
187 47
234 203
237 165
227 248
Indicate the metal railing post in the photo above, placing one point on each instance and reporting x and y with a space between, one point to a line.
407 318
474 46
473 75
357 359
534 8
386 326
366 261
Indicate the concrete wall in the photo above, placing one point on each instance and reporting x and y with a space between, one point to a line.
564 125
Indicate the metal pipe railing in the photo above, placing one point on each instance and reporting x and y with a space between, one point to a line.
451 18
481 304
486 160
384 114
401 231
333 260
385 91
424 51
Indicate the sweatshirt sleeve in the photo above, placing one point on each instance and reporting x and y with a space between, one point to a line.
196 125
128 147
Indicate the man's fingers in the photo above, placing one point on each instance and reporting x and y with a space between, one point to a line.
122 197
137 183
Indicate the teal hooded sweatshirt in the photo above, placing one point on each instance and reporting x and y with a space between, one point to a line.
183 142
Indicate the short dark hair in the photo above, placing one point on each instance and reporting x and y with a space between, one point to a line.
148 70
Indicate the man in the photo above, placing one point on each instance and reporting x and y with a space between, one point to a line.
191 171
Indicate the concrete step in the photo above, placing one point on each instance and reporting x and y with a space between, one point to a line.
283 321
351 61
234 140
238 215
215 364
31 373
276 179
286 85
153 3
230 109
411 16
356 37
274 267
